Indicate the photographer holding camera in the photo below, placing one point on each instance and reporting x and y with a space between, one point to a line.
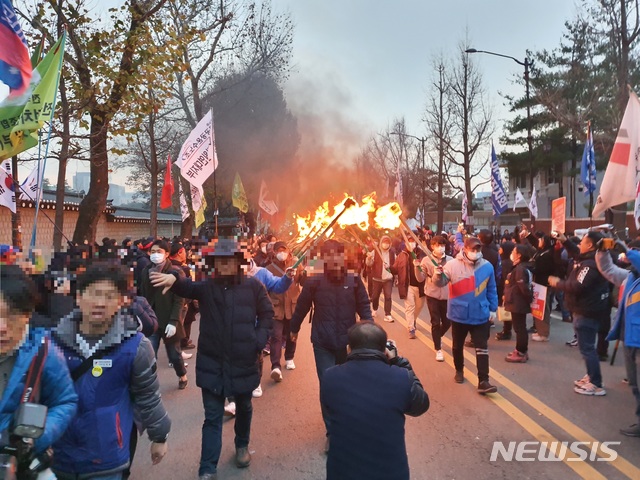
30 367
366 400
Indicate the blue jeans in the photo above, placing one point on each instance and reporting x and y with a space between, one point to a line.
587 332
326 359
212 427
631 358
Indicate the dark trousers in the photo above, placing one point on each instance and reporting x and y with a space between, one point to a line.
279 334
602 345
479 337
212 427
587 331
377 289
326 359
174 352
189 318
631 358
519 322
440 323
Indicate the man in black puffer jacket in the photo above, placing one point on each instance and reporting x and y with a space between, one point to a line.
336 297
236 316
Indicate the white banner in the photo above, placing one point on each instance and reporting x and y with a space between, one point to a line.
533 204
197 197
621 176
519 198
198 159
184 208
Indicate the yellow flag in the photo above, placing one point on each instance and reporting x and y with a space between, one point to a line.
238 196
200 213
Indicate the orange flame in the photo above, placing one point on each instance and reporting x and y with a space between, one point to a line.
388 216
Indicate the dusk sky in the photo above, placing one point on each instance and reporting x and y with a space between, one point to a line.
359 64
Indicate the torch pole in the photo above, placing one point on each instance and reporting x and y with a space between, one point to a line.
422 245
348 203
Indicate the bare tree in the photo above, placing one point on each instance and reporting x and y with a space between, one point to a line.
470 128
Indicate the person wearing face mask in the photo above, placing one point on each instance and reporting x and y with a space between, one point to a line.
261 258
336 296
518 295
168 309
283 305
473 302
381 276
410 288
437 296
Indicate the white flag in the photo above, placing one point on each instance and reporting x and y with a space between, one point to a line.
419 216
269 206
519 198
197 196
620 179
533 204
7 194
184 208
198 159
636 209
30 187
465 208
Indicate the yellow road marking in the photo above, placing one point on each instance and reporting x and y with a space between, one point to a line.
582 468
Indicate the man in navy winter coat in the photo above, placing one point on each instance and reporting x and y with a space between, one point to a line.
366 400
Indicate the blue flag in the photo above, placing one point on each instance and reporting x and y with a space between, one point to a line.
15 64
498 197
588 166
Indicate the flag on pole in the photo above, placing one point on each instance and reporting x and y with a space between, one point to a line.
238 197
198 203
198 158
167 188
519 198
15 64
465 208
419 216
269 206
21 117
184 208
498 197
636 208
31 185
533 203
620 178
7 188
588 166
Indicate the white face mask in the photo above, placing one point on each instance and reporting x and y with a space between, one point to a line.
474 256
282 256
264 249
439 251
386 246
411 246
513 258
157 258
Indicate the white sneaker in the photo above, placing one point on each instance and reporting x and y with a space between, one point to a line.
539 338
230 409
289 365
257 393
186 356
276 376
439 356
388 319
590 389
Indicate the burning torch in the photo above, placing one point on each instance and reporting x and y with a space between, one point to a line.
348 203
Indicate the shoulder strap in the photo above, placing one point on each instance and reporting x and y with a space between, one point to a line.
31 392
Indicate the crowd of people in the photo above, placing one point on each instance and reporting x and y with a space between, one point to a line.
89 326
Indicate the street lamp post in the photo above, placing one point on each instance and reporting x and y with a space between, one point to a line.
527 64
422 141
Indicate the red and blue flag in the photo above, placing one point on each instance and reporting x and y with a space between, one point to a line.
15 63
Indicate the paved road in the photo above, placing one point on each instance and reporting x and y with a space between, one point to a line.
453 440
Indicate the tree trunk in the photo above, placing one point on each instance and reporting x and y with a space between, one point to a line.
65 117
153 231
95 201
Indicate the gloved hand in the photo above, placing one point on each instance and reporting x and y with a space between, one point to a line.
170 331
290 272
492 316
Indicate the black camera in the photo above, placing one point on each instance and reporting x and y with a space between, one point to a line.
17 457
390 346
